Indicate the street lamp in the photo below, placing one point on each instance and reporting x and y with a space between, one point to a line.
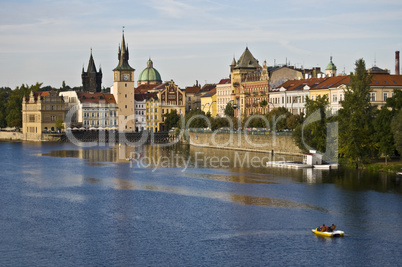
210 105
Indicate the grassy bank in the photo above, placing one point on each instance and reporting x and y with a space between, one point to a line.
393 166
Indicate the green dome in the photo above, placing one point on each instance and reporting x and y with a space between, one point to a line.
331 65
149 73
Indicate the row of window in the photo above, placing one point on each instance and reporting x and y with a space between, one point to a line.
97 123
99 114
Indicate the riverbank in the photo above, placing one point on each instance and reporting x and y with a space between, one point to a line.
390 167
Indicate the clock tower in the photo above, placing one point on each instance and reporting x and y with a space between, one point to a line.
123 90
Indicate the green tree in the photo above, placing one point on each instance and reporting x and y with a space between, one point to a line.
59 124
171 119
4 94
14 104
196 119
277 118
383 134
356 142
229 110
313 133
396 126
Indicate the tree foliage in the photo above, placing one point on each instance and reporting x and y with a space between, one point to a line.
229 110
14 104
396 126
313 133
172 119
356 142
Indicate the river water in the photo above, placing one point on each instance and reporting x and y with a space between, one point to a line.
63 205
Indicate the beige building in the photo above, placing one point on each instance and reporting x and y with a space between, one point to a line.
40 111
167 97
250 86
123 90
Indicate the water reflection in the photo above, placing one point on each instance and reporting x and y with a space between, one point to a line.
229 166
224 196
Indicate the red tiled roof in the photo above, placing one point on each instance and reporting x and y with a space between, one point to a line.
97 98
209 93
333 82
207 87
143 88
224 81
386 80
292 85
192 89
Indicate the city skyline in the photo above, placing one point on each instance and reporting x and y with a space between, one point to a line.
50 41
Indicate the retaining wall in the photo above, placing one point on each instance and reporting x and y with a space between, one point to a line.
268 143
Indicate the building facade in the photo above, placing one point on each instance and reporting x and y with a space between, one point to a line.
223 96
250 86
208 102
41 111
169 97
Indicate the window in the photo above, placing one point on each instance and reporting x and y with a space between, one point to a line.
385 96
340 97
31 118
334 98
372 96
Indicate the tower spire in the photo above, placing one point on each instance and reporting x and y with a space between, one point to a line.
123 55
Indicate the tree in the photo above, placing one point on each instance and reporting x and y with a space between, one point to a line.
277 118
313 132
229 110
59 124
383 134
396 126
4 94
171 119
356 142
14 104
196 119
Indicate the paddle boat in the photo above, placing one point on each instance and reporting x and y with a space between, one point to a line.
328 234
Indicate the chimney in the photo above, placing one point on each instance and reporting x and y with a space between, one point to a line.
396 62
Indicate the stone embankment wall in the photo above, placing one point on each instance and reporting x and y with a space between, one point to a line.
268 143
18 136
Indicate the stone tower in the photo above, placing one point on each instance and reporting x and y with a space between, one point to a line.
91 79
123 90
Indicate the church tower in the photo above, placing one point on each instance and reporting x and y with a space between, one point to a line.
123 90
91 79
330 70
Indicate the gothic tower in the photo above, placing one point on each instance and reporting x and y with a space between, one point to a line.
123 90
91 79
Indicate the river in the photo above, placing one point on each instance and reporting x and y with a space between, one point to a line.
64 205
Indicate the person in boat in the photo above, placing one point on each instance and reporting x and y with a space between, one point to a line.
323 228
332 228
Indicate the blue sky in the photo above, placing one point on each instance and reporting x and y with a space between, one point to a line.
49 41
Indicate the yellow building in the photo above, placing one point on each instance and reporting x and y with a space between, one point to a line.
40 111
208 102
166 97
